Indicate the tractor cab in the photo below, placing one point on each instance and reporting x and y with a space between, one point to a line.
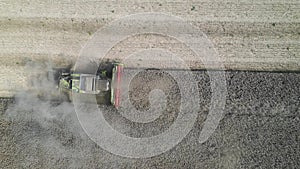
106 80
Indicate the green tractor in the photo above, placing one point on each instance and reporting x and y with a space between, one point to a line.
105 84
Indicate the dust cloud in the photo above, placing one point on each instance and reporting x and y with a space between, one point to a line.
45 127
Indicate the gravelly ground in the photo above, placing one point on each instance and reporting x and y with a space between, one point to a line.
260 130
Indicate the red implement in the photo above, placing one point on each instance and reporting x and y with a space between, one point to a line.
116 89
